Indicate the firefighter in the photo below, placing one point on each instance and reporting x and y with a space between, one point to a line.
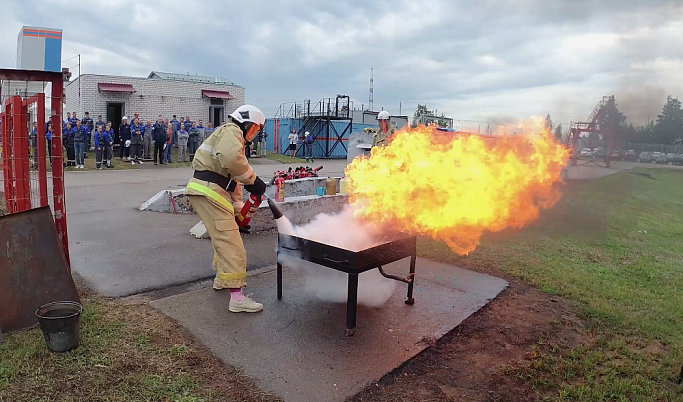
386 129
219 165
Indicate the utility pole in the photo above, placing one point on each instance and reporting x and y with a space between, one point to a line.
372 91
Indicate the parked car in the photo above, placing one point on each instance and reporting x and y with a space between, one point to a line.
586 152
658 157
599 153
670 157
677 159
645 157
630 156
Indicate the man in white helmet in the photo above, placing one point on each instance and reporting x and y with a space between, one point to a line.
386 129
219 165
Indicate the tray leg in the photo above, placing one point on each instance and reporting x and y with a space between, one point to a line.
351 304
279 281
410 299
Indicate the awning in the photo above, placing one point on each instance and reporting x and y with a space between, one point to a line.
102 86
209 93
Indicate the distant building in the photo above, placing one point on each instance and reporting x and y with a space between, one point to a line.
205 98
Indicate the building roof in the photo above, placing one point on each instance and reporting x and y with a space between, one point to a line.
190 78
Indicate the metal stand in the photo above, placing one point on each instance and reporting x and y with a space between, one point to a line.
352 291
351 305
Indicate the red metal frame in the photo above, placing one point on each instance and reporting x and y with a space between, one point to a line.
16 170
607 105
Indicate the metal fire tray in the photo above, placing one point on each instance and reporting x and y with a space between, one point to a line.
353 262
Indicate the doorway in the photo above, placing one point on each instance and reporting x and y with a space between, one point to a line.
115 112
216 112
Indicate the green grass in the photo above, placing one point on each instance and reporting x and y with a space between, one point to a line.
273 156
614 246
126 353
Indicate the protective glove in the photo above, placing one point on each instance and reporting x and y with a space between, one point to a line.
246 229
258 188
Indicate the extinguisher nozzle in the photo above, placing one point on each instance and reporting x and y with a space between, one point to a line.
274 209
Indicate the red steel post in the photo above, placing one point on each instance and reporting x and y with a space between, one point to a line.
19 149
7 157
57 167
40 143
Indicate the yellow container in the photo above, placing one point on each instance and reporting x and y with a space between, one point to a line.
342 185
330 186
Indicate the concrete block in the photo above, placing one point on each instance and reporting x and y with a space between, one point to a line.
199 231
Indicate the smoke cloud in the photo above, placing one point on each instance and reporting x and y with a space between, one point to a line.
339 230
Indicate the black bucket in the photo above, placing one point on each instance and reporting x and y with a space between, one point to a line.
61 325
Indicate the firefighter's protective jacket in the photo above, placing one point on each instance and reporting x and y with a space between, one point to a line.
381 138
223 153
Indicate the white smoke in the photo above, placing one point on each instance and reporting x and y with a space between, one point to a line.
327 284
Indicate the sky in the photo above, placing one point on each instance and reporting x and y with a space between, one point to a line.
478 62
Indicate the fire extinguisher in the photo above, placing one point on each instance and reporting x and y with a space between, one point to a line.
248 210
280 189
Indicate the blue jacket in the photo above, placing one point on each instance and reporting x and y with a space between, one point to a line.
98 123
175 124
102 138
188 125
208 132
124 132
88 122
134 127
48 135
80 134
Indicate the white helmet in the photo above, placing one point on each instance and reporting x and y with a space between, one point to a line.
307 133
249 113
127 143
383 115
124 118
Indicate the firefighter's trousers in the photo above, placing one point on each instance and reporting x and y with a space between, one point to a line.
230 257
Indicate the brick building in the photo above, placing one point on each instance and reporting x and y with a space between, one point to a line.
205 98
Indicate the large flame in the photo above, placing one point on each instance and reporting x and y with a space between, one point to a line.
455 186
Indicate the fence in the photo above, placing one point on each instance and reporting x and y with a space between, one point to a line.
31 145
642 147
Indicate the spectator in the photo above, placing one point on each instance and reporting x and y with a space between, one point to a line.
264 137
103 144
80 134
183 137
181 123
193 142
136 142
136 116
293 139
147 138
100 122
209 130
33 144
159 137
68 142
168 147
309 147
73 120
90 124
188 123
202 131
48 138
68 118
124 135
174 126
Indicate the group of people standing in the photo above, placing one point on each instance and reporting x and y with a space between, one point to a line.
137 141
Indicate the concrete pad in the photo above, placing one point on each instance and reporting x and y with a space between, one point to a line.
297 349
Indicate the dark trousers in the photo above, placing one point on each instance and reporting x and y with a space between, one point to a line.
103 153
124 151
167 153
192 146
135 151
70 155
159 151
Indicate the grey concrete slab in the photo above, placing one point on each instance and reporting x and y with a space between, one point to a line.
296 347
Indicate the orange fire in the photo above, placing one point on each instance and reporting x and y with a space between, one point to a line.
455 186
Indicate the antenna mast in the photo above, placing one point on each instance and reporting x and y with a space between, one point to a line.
372 92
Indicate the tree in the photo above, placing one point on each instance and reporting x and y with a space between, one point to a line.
669 126
558 132
549 123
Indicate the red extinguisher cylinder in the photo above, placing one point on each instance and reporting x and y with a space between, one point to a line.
248 210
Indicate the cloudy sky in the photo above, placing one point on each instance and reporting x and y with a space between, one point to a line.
476 61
